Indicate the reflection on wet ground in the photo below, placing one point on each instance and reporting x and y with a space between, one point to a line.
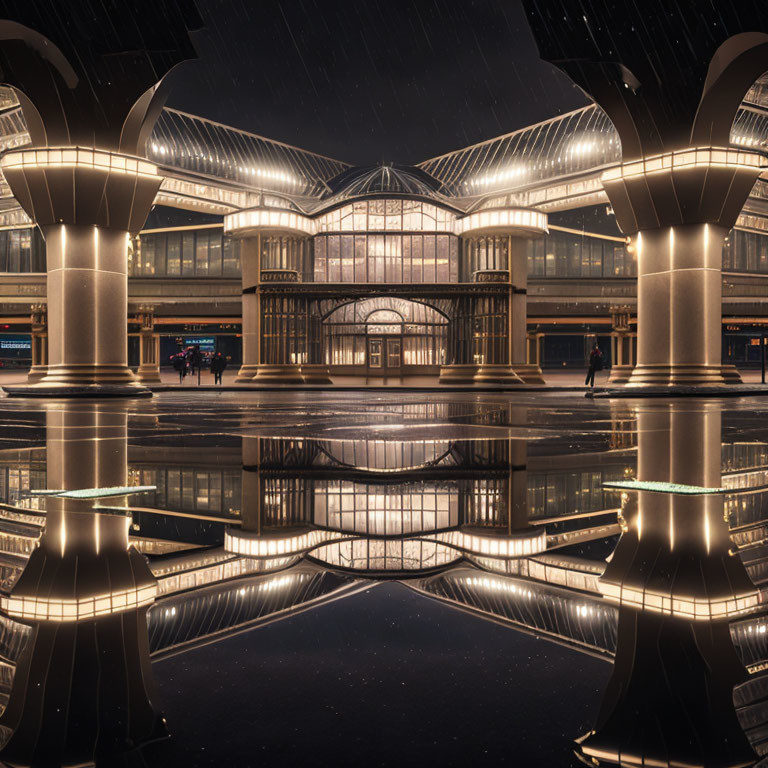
619 545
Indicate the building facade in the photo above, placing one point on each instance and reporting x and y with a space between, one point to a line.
485 265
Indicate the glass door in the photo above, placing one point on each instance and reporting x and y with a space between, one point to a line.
394 354
375 353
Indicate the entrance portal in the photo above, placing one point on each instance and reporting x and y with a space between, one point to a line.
385 336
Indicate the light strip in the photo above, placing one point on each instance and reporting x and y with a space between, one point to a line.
528 543
278 219
696 157
504 218
699 609
266 218
78 157
241 544
42 609
658 487
96 493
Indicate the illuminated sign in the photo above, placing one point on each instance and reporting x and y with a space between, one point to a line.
9 343
206 343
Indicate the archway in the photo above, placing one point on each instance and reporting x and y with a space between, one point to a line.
385 336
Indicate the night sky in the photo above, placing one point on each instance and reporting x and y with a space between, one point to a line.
372 80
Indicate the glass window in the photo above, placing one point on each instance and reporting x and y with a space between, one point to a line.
214 253
14 256
147 251
172 262
201 253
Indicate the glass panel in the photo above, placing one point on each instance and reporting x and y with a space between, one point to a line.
214 253
201 253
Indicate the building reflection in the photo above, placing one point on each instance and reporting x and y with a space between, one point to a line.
462 507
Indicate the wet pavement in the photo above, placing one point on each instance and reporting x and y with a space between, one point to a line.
382 578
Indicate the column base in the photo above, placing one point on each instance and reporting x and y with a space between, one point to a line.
530 373
480 374
316 373
278 374
497 374
246 374
36 372
458 374
620 374
149 374
731 374
83 381
677 375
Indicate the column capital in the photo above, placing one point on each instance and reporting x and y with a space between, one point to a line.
694 185
82 186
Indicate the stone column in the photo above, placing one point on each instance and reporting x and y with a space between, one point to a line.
86 202
262 364
39 343
483 365
149 347
250 265
529 372
621 358
684 173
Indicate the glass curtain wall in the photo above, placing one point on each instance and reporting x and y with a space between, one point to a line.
189 253
481 253
284 330
22 250
289 253
479 335
380 258
383 510
745 252
565 254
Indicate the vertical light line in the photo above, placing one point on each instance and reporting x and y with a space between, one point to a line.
63 534
671 525
97 532
671 328
706 529
62 300
707 319
96 281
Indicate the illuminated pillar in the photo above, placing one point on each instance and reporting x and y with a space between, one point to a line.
480 321
149 347
677 584
687 162
39 343
275 342
529 371
85 202
679 300
83 687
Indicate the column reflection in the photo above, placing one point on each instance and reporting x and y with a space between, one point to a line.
82 688
677 582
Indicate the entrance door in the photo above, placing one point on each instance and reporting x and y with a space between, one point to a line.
394 355
376 353
385 355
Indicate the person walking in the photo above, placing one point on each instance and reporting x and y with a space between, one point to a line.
179 362
595 364
218 366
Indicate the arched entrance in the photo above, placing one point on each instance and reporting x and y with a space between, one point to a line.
385 336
